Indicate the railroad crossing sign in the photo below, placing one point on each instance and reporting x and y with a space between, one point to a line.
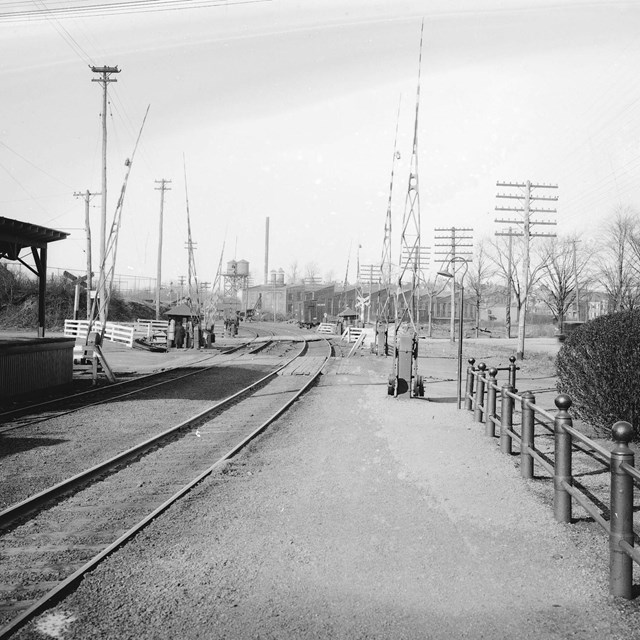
78 280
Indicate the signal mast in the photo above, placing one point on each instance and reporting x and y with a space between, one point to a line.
384 307
404 377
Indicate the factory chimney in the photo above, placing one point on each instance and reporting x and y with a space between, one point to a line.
266 252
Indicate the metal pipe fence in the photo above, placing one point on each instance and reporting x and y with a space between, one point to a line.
481 397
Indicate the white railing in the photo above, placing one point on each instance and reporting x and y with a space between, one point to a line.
150 327
351 334
326 327
113 332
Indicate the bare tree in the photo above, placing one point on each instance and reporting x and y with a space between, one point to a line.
330 276
431 289
562 273
481 270
511 270
617 261
506 265
312 271
294 272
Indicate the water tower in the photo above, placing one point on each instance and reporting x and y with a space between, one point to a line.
236 280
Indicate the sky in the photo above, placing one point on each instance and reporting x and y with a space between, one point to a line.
288 109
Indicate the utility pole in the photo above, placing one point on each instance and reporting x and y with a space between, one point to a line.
162 188
526 197
266 251
575 272
457 246
104 79
87 195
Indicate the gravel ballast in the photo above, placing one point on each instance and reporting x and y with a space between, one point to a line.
356 515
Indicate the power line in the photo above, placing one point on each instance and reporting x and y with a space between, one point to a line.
525 198
117 8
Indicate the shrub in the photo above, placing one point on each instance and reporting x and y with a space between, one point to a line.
598 366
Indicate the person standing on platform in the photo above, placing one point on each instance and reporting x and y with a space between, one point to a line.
189 342
179 335
171 333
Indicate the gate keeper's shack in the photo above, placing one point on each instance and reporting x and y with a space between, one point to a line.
30 364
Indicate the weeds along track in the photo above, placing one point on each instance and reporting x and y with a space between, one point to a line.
44 553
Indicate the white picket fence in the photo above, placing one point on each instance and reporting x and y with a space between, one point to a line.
351 334
120 333
151 327
155 331
326 327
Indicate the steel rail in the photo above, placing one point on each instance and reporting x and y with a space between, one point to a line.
206 358
542 460
587 505
67 585
127 382
36 501
632 471
632 552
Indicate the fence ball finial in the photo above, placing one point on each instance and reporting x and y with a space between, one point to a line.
482 366
563 402
622 432
471 361
493 372
512 359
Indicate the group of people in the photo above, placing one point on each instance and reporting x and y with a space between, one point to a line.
190 334
231 327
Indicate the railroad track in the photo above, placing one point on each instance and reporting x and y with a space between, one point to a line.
46 552
70 440
23 416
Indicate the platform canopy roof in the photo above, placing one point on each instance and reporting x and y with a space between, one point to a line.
348 313
16 235
181 311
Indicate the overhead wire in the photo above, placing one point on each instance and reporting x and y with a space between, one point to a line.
50 16
118 8
34 165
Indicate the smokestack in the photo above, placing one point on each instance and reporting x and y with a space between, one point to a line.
266 252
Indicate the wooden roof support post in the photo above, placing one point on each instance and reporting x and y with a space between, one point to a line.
41 265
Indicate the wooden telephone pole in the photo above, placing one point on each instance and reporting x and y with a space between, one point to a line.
526 198
457 245
104 79
162 188
87 195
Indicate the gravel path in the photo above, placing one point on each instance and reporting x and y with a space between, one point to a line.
356 516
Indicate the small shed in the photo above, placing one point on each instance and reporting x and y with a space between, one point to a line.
32 364
348 316
181 311
16 236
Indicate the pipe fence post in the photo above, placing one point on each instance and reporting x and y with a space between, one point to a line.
468 396
479 404
562 469
506 418
621 523
490 413
528 430
512 372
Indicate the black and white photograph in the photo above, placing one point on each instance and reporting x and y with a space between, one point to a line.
319 319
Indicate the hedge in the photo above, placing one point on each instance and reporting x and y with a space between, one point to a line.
599 367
